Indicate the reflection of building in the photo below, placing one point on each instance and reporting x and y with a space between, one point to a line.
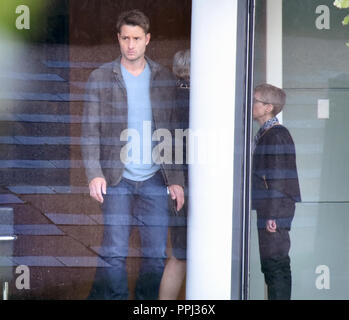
169 19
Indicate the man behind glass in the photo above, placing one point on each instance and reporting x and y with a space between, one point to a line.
129 98
275 189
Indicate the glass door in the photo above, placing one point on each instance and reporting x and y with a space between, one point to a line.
312 41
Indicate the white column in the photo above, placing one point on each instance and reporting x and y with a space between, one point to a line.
213 63
274 44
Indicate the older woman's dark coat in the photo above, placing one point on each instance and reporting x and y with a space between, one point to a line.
275 186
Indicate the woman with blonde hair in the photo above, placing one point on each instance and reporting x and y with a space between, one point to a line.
175 269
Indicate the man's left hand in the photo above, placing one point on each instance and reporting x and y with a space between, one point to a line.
177 193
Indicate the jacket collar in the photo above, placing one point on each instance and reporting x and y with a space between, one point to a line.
263 129
154 67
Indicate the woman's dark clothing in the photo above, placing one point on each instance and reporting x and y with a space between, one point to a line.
275 190
178 221
275 178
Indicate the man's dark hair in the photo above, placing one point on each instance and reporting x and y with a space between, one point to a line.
133 18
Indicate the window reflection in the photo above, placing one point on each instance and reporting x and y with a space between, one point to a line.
315 115
59 228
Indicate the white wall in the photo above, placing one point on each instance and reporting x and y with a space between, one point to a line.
274 45
213 65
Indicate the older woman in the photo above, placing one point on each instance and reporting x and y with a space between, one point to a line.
175 268
275 189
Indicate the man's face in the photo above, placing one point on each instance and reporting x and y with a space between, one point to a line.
133 42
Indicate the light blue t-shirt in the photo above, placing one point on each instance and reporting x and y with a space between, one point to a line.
140 124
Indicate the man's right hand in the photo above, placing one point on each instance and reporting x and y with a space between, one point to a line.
98 187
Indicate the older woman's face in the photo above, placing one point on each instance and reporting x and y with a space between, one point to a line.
261 109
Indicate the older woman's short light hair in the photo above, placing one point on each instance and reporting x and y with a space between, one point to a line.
273 95
181 64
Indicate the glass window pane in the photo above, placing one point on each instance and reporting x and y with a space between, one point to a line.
315 78
49 49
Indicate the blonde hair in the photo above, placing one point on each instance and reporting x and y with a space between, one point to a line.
181 64
272 95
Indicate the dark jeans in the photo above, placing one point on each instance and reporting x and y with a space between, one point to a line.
145 205
275 262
